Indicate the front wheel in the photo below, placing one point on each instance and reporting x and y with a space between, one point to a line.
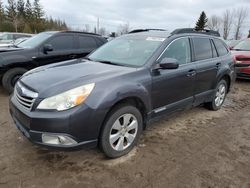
11 77
219 96
121 131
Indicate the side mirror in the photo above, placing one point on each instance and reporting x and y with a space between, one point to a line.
47 48
168 63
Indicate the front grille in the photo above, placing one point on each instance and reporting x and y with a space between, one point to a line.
24 96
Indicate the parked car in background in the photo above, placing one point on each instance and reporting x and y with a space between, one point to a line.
42 49
8 38
15 43
242 55
109 97
1 34
232 43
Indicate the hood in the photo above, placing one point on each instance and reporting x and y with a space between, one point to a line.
9 49
70 74
241 53
242 56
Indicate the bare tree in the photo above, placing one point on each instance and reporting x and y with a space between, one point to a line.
124 28
102 31
214 22
240 17
227 21
87 28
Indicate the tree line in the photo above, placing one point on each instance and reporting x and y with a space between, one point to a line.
27 17
230 23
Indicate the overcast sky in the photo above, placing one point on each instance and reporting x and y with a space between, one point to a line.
167 14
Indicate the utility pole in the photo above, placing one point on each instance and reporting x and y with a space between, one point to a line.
97 25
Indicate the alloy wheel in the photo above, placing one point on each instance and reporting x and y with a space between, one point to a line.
220 95
123 132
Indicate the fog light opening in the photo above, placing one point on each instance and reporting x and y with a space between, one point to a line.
52 139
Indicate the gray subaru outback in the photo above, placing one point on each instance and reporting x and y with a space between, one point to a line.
108 98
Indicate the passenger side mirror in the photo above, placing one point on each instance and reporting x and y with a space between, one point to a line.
47 48
169 63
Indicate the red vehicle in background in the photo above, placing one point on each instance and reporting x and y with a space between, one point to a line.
242 55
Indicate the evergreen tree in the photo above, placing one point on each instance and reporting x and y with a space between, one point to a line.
21 8
1 16
37 10
28 11
201 24
21 14
11 13
24 16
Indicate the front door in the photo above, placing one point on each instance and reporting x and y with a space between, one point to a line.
173 89
63 49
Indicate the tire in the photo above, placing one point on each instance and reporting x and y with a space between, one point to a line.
11 77
121 131
218 96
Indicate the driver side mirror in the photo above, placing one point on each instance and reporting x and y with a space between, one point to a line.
168 63
47 48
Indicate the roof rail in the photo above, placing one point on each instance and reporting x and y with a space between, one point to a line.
81 32
192 30
143 30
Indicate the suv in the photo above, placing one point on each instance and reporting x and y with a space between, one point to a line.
108 98
42 49
8 38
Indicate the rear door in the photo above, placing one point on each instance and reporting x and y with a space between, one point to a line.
207 64
86 44
173 89
63 49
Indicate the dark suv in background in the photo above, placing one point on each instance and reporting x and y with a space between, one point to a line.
42 49
108 98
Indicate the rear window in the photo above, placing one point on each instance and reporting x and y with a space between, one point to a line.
202 49
221 49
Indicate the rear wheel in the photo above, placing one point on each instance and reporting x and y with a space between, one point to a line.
121 131
11 77
219 96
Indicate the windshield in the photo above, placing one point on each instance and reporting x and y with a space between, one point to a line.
35 41
127 51
243 46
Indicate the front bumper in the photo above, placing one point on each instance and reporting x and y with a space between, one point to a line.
243 72
82 124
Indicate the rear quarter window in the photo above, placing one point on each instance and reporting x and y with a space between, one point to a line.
221 49
202 49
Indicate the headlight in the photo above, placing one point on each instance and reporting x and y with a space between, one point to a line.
238 62
68 99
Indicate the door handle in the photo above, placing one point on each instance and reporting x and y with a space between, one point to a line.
191 73
218 65
72 56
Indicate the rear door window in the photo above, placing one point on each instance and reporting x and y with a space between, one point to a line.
222 50
202 49
87 42
63 42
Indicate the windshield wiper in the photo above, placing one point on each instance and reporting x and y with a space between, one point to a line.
240 49
109 62
87 58
15 46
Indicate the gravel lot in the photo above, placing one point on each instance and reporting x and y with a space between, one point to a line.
195 148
